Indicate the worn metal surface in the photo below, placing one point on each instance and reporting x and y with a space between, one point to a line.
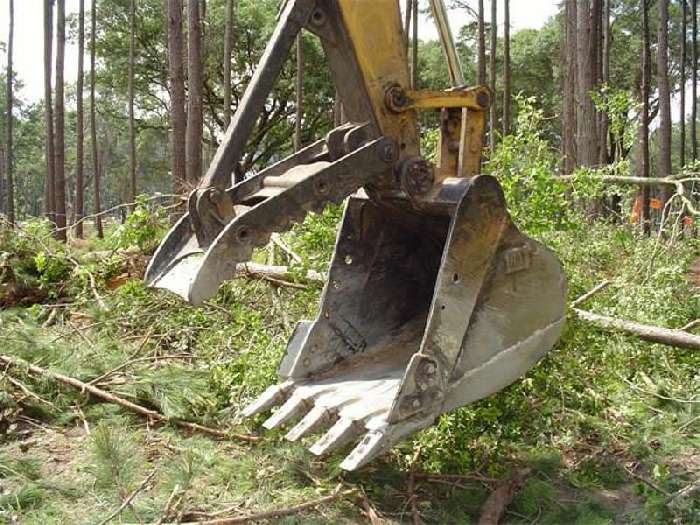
196 270
419 315
433 300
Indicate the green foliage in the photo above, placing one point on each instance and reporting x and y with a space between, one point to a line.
525 164
24 498
314 238
143 229
32 259
115 460
619 105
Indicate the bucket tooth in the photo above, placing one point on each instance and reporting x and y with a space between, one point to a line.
272 396
311 422
292 409
340 434
370 446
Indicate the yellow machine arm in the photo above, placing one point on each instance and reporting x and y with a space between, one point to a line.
434 299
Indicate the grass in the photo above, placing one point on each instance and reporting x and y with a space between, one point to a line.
598 415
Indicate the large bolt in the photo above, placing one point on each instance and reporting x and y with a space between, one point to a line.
395 98
388 151
417 176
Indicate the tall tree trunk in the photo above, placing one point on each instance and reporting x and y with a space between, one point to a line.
683 80
195 83
644 125
50 188
664 99
569 118
594 48
132 123
80 129
586 143
228 51
694 99
93 124
506 68
492 73
8 122
299 93
59 114
481 46
414 54
408 14
177 94
603 150
3 181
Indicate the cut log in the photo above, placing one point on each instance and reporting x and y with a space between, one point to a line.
654 334
276 272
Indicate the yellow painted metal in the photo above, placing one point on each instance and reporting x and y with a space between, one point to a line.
475 99
375 29
377 35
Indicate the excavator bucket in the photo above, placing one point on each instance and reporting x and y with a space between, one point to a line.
434 299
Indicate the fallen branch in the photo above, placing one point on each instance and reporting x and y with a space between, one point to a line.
412 489
281 513
129 499
647 482
127 364
370 511
585 297
169 504
278 274
454 477
648 181
691 325
684 492
496 504
152 415
276 239
127 205
25 390
654 334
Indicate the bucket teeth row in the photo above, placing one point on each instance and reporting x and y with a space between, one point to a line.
342 406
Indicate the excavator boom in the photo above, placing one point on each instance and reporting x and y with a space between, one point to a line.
434 299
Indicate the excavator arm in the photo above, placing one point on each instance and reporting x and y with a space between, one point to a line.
434 299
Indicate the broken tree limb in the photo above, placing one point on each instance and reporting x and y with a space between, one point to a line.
654 334
691 325
129 499
276 239
412 488
585 297
13 362
678 183
289 511
496 504
279 274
